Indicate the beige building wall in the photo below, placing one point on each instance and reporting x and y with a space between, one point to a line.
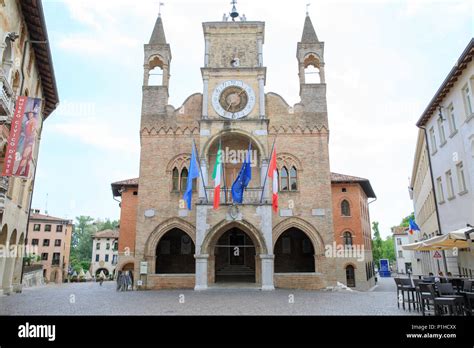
15 193
425 210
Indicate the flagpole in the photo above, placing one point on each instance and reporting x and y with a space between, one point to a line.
200 171
223 170
268 167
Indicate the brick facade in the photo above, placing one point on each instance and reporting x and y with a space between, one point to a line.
300 134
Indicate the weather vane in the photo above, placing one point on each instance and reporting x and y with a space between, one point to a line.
307 8
159 8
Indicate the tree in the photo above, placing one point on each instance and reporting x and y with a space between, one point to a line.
81 244
388 249
405 222
376 243
107 224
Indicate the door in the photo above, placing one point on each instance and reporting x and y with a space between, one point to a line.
236 250
350 276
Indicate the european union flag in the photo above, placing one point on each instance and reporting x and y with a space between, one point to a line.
193 174
413 226
243 179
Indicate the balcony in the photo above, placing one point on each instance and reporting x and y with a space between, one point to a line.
7 100
251 195
3 191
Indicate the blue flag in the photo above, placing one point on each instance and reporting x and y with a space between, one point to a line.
193 174
413 227
243 179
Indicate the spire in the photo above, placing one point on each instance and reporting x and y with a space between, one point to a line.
309 34
158 36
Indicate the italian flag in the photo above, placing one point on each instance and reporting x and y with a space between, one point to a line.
272 173
216 175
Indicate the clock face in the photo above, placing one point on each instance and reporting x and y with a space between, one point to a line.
233 99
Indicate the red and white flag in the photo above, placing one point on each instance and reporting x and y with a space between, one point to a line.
273 173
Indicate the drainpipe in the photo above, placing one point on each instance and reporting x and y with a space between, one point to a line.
434 195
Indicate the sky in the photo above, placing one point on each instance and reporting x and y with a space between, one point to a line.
384 62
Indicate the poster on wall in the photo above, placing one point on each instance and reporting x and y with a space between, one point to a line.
22 138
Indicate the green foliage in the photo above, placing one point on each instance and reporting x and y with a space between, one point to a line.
81 243
381 249
31 258
406 220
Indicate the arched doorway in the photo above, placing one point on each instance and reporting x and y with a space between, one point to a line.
105 270
294 252
175 253
235 257
9 265
350 276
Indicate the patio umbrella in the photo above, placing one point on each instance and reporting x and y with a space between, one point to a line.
448 241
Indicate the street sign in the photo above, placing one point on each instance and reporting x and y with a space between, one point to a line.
143 267
437 255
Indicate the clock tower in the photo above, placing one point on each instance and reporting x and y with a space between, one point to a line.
233 73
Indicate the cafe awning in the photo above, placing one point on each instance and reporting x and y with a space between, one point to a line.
455 239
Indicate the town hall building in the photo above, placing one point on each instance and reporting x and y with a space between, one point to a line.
320 213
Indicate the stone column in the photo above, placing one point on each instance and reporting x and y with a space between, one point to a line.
267 272
207 43
201 271
261 90
260 51
205 97
301 73
8 275
322 76
146 74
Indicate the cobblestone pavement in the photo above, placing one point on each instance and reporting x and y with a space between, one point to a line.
93 299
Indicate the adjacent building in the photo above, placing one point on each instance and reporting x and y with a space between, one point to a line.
423 196
448 126
51 237
104 252
26 69
405 259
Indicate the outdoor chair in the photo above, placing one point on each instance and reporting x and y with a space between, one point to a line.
408 287
467 285
426 294
451 300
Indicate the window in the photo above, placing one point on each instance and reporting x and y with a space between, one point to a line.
34 241
59 228
114 259
106 258
47 228
45 242
440 190
434 147
107 246
399 241
156 73
56 258
44 256
345 208
293 179
400 254
115 246
97 246
184 179
461 178
175 179
466 92
284 179
36 227
57 242
97 258
452 120
347 237
442 134
449 183
344 189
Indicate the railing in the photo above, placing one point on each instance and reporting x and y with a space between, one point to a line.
251 195
6 98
